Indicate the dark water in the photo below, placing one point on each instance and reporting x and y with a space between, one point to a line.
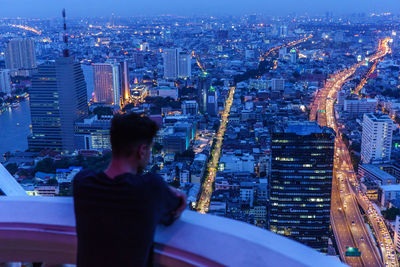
13 137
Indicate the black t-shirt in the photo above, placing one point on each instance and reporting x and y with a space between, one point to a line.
116 218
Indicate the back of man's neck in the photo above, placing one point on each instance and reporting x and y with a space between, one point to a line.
118 167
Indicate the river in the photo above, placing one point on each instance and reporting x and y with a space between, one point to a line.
14 128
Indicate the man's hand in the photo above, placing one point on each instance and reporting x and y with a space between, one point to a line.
183 199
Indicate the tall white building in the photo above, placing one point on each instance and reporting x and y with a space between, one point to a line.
184 65
376 143
170 57
5 81
283 31
20 55
177 64
278 85
106 83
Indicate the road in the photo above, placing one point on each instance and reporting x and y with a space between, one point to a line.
347 222
206 189
340 226
262 58
365 79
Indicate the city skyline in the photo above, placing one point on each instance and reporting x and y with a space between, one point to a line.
93 8
288 123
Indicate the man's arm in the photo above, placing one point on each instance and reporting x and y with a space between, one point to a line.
173 202
183 201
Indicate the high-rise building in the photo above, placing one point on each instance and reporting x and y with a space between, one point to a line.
170 57
252 19
20 56
93 133
89 79
203 84
177 64
212 101
5 81
283 52
107 83
360 106
57 99
138 58
376 142
278 85
184 65
125 89
293 56
301 181
283 31
190 107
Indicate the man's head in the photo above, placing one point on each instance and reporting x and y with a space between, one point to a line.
132 138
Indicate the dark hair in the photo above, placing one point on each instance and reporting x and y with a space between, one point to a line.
130 130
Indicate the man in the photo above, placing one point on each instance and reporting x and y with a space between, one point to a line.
117 210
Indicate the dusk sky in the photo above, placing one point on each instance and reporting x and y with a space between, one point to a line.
51 8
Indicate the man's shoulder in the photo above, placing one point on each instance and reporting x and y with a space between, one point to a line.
154 178
84 175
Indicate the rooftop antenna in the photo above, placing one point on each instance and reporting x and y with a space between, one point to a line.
65 37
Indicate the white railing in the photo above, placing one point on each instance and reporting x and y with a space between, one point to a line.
42 229
8 185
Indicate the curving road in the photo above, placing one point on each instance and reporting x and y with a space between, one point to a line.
347 222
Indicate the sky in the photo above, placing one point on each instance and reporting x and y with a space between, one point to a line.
93 8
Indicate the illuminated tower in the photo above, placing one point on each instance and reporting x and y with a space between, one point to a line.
203 84
107 83
58 98
125 90
177 64
301 182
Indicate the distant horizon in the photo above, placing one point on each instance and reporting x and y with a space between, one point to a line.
259 15
125 8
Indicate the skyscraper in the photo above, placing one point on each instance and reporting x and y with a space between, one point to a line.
20 55
124 77
203 84
57 99
376 142
170 57
5 81
107 83
138 58
301 181
184 65
88 74
177 64
283 31
212 101
293 56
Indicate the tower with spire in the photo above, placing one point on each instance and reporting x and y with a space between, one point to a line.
58 98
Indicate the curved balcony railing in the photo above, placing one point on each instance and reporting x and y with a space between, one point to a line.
42 229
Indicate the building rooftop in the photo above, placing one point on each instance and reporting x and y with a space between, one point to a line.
391 187
378 117
304 128
376 171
